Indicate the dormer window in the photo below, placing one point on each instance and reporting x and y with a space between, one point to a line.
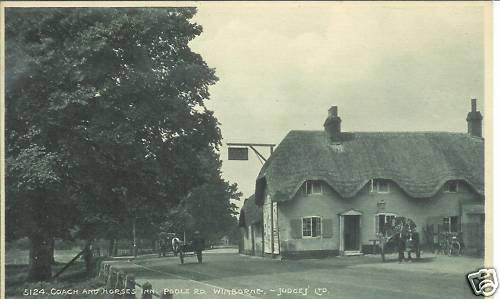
380 186
451 187
314 187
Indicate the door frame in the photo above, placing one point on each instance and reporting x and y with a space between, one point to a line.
350 212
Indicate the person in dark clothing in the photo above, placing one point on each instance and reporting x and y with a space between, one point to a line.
198 245
409 246
163 247
401 247
87 256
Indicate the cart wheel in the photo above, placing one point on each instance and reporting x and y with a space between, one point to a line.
181 256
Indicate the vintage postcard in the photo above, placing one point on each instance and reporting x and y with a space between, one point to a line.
246 150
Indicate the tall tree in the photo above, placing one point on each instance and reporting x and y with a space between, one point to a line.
105 119
211 205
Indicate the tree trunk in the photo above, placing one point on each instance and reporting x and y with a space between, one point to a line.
88 256
40 258
111 247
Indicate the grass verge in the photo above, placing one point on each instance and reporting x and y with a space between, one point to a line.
73 283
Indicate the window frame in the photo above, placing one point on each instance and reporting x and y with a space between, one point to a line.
449 224
312 230
310 186
450 183
375 186
377 221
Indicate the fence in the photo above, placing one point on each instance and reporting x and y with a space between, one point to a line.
123 248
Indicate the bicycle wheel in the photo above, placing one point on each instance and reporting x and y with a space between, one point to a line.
450 249
455 248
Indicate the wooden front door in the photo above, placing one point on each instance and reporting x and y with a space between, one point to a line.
351 232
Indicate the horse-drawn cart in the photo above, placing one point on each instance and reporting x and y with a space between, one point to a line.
400 236
187 250
165 243
193 248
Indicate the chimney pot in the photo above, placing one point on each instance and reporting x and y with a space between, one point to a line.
473 105
474 120
332 125
333 111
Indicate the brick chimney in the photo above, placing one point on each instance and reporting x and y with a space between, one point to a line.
474 120
332 125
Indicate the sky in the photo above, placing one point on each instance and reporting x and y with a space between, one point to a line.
388 67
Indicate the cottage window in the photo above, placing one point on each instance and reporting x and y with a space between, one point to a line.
380 186
314 187
383 222
311 226
451 187
451 224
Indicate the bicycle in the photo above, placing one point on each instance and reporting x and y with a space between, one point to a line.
450 244
454 246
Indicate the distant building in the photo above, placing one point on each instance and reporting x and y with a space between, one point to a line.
330 192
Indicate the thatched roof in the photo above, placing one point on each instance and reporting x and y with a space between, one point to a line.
418 162
250 212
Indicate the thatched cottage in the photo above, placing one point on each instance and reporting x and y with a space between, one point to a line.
330 192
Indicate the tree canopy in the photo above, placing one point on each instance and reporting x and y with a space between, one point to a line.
105 118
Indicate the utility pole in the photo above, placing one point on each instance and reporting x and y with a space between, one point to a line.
134 237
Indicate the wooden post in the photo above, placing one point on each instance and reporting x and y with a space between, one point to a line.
120 276
102 268
111 279
147 291
68 264
106 272
166 295
129 286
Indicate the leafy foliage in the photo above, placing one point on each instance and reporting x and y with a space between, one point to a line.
106 118
209 207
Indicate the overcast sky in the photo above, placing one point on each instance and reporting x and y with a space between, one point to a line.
387 68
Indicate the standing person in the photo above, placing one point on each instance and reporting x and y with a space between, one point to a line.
409 245
163 246
198 245
87 256
175 245
401 247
